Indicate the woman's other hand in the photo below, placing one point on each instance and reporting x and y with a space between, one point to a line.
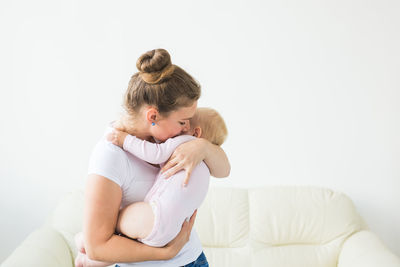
186 156
182 238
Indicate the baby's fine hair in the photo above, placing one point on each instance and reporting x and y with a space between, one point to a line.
213 127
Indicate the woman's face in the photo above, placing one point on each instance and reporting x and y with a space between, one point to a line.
175 124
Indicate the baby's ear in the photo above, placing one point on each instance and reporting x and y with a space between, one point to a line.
197 132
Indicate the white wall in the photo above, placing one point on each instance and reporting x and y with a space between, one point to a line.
309 90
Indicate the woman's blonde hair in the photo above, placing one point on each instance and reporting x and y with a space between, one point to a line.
213 127
161 84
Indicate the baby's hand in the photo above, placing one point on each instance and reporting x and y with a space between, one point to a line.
117 137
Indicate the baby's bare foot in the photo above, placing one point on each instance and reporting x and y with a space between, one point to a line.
80 260
79 242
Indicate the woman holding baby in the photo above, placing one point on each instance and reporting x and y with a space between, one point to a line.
159 102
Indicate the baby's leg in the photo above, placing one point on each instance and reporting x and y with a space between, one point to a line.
136 220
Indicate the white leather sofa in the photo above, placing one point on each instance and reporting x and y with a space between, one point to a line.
276 226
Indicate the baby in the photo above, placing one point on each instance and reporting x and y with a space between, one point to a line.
159 218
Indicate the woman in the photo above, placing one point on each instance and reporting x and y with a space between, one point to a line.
159 101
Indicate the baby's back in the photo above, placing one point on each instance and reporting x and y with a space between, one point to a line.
172 203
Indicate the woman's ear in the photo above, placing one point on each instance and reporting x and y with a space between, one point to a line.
197 132
152 114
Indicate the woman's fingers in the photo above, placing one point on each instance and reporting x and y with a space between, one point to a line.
193 218
179 167
171 163
191 221
188 225
188 173
173 170
182 238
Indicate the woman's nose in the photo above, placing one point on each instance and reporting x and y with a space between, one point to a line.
186 127
184 130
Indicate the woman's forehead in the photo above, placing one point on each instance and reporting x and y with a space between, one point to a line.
185 113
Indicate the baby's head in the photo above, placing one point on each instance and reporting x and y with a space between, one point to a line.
208 124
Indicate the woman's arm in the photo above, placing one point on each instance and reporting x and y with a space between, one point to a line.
188 155
102 202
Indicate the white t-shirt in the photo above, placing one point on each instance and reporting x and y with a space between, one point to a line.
135 177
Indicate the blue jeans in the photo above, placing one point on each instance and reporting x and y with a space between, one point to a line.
200 262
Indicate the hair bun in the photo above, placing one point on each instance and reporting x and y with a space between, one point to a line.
153 61
155 65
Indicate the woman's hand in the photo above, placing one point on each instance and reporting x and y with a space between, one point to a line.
186 156
181 239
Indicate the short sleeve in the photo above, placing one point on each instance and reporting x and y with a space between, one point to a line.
110 161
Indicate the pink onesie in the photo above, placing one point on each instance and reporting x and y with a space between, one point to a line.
171 203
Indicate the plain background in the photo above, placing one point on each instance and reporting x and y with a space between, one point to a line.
309 91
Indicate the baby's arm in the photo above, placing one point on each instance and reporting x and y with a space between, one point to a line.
117 137
145 150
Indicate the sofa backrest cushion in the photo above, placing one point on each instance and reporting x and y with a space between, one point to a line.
274 216
300 215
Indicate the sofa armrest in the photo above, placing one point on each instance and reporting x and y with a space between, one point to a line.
44 247
365 249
